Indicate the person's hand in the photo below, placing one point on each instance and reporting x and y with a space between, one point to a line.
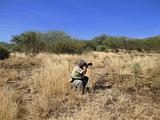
84 69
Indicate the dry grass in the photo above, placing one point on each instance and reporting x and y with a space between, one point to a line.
43 92
8 108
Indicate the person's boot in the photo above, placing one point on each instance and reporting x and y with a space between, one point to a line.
83 90
88 90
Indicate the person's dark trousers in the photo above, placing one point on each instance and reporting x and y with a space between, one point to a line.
85 81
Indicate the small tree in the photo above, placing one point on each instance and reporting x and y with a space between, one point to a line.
53 37
30 42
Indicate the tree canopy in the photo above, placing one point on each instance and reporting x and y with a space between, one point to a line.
33 42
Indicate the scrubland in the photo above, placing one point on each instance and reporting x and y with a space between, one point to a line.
124 86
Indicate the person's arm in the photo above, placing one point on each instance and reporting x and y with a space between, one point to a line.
84 70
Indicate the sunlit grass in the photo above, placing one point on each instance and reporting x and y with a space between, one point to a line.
45 93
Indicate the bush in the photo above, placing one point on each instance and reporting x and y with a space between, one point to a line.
4 53
101 48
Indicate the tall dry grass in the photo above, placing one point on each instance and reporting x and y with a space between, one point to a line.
49 95
8 107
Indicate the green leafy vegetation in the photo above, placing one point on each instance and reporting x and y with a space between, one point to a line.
4 53
33 42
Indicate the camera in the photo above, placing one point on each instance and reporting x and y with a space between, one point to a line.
89 64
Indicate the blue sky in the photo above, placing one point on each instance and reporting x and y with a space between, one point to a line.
82 19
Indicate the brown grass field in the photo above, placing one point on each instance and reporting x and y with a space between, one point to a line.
38 88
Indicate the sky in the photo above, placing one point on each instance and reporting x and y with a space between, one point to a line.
82 19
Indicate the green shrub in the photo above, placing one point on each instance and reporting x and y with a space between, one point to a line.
101 48
4 53
29 42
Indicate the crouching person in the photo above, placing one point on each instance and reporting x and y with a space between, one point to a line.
78 78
